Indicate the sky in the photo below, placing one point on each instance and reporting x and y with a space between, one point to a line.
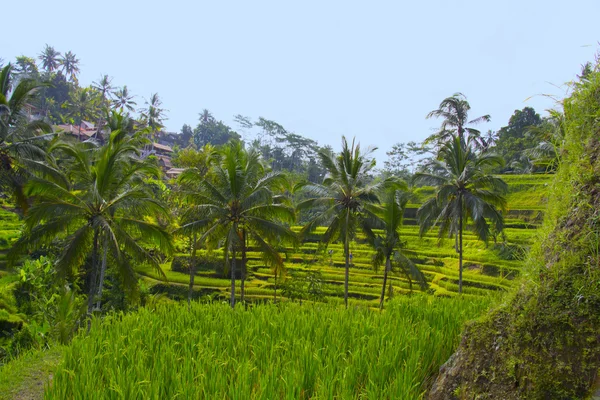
322 69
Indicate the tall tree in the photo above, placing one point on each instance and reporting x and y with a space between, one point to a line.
465 191
513 139
70 65
239 206
344 199
104 87
209 130
388 245
100 203
454 111
123 100
198 166
50 59
20 153
153 116
82 106
26 67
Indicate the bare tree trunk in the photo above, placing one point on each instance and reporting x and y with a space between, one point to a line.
385 276
192 271
93 276
102 274
347 255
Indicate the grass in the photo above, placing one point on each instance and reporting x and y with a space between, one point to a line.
269 352
25 377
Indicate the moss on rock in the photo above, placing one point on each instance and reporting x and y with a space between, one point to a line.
544 341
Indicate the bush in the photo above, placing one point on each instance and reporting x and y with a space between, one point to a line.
203 263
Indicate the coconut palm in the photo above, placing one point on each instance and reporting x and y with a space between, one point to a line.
19 153
198 166
50 59
551 135
123 100
237 206
104 87
82 106
388 245
70 65
455 113
465 192
101 205
344 199
153 116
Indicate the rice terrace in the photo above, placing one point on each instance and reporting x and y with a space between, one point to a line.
242 258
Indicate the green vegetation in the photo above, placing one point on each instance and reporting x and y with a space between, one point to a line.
287 351
543 342
94 215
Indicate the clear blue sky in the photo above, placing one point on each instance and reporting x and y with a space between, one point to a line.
320 68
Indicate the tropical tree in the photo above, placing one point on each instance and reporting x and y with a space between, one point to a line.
550 136
198 166
50 59
26 67
70 65
237 207
81 106
123 100
455 113
19 152
388 246
104 87
344 200
99 208
153 116
465 191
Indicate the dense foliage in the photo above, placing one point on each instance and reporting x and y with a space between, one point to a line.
267 352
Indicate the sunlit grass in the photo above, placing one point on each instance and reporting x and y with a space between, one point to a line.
268 352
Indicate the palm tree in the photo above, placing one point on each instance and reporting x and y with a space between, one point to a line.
123 100
154 115
198 166
70 65
50 59
100 202
388 246
103 87
19 153
551 136
82 106
345 199
238 206
465 191
455 112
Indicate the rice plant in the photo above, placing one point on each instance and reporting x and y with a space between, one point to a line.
281 351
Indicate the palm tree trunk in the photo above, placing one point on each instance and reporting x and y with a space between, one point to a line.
192 271
385 276
347 255
275 295
460 245
102 273
244 261
232 301
93 274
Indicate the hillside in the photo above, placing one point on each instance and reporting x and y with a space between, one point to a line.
491 268
544 341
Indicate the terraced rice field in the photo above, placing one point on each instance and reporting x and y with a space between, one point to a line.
487 268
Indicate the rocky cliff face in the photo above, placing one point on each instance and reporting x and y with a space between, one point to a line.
544 341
